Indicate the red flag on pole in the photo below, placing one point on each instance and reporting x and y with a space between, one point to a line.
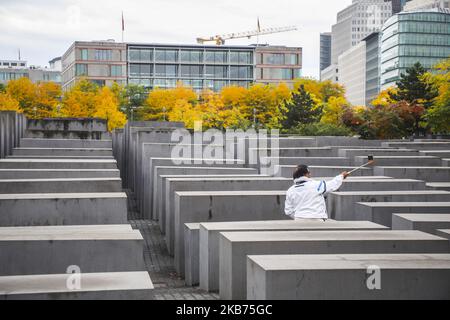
123 23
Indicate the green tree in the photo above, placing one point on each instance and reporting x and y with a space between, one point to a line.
133 99
303 108
2 88
412 87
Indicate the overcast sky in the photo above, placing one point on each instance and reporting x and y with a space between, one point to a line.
44 29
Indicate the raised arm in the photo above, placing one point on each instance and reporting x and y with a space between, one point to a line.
326 187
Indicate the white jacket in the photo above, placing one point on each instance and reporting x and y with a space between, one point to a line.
305 199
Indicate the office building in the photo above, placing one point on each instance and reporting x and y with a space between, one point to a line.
397 5
331 73
372 79
413 36
275 64
426 4
102 62
165 65
352 73
16 69
325 50
356 22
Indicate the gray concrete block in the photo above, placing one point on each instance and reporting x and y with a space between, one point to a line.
426 222
405 161
62 209
438 145
443 233
236 246
200 206
210 236
62 152
321 171
52 252
337 277
65 143
60 185
445 186
381 212
63 157
150 203
224 183
351 153
8 174
341 205
57 164
191 252
436 153
291 152
95 286
446 162
67 125
309 161
429 174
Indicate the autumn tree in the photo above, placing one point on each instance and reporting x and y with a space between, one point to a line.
303 108
7 103
80 100
438 115
334 110
322 90
108 108
413 89
24 92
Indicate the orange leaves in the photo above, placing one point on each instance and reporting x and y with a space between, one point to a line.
7 103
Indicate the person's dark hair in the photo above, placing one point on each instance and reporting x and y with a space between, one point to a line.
301 171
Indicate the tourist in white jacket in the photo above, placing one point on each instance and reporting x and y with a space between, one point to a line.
305 199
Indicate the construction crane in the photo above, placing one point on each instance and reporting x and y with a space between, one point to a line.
220 39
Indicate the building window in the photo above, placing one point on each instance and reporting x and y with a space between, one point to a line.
165 70
103 55
187 71
166 55
291 59
240 72
84 54
273 58
100 83
215 57
190 56
216 72
81 70
116 71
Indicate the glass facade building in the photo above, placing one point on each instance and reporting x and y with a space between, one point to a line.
372 66
325 50
410 37
200 67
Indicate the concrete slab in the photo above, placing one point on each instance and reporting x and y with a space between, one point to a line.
336 277
405 161
150 203
210 235
100 250
95 286
191 252
444 233
351 153
292 152
418 145
64 143
429 174
426 222
62 152
157 188
63 157
321 171
309 161
439 186
8 174
224 183
236 246
436 153
381 212
57 164
446 162
60 185
341 205
39 209
218 206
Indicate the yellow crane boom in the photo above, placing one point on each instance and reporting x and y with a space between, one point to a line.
220 39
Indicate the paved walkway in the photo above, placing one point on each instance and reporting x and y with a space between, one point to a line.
160 265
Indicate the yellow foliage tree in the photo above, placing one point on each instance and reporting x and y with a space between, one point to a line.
108 108
24 92
384 98
80 100
322 90
47 99
160 102
7 103
334 110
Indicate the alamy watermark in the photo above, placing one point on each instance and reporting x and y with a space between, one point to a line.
230 147
373 281
73 282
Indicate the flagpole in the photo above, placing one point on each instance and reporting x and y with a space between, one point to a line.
123 28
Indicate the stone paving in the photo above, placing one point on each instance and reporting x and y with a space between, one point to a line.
168 285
